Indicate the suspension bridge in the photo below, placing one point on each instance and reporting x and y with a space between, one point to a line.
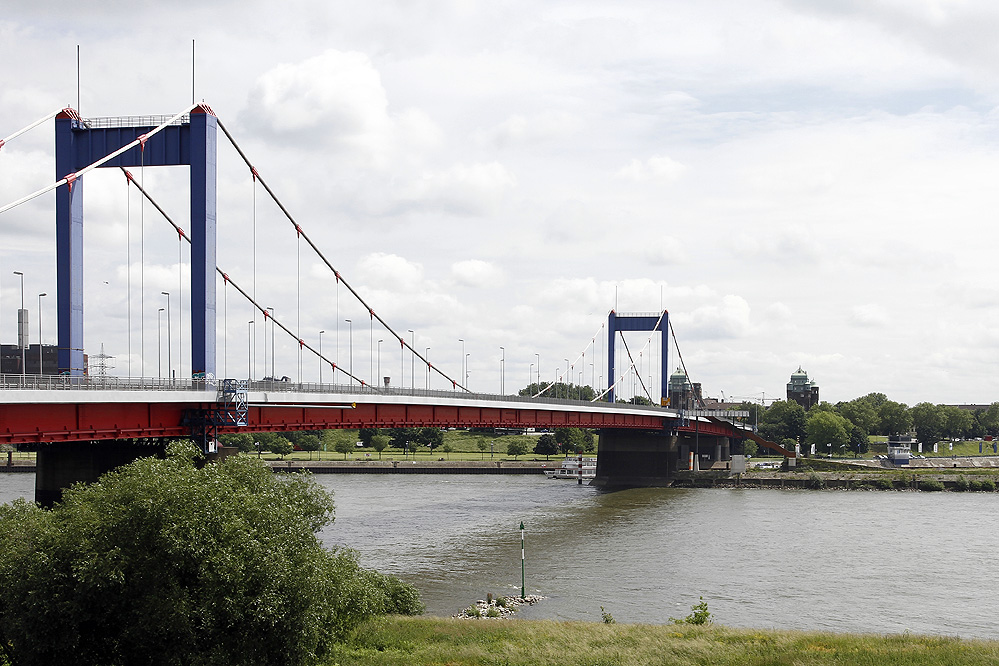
63 402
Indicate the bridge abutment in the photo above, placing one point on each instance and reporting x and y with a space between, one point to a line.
60 465
635 458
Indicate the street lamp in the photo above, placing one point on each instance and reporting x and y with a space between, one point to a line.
530 375
321 357
249 349
464 369
378 379
40 332
22 331
412 357
169 343
539 371
426 356
350 348
159 343
502 371
271 310
566 379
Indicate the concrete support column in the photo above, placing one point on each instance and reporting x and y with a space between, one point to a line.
635 458
60 465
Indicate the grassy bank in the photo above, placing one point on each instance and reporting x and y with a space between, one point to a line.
402 641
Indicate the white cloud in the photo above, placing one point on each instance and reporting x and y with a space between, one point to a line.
476 273
656 168
870 315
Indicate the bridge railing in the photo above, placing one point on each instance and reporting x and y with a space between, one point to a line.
18 382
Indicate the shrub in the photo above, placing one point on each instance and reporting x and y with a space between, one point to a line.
930 485
961 484
699 614
606 617
815 481
501 602
164 562
473 611
884 483
492 612
986 484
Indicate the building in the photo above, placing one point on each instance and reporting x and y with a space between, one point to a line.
683 394
11 357
801 390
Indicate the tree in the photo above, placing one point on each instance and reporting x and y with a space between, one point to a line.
989 419
546 446
343 443
749 448
860 413
447 449
243 441
894 418
957 422
432 437
928 420
859 442
166 562
380 443
784 418
570 440
310 443
279 445
480 444
826 427
364 435
516 448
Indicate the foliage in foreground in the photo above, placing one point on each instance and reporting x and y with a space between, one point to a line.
162 562
398 641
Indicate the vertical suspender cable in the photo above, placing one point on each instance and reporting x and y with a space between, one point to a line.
142 264
128 268
253 332
225 327
298 298
180 298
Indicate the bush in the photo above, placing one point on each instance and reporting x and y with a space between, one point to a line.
606 617
815 481
493 612
699 614
884 483
501 602
961 484
987 485
164 562
473 611
930 485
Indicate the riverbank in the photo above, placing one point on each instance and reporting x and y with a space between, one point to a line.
399 641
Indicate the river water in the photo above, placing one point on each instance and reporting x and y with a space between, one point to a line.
874 562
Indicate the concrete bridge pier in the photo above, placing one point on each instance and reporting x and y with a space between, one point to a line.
635 458
61 464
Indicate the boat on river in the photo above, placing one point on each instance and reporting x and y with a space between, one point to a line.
570 469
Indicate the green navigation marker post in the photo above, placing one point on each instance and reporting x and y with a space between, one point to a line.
522 560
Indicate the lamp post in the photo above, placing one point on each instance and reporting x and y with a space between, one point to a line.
412 358
464 367
426 355
350 348
40 332
271 310
159 343
566 379
321 356
21 330
378 379
539 371
169 343
502 371
249 350
530 375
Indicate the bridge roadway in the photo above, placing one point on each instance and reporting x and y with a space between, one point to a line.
50 408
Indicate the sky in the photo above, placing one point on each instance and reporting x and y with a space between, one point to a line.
798 182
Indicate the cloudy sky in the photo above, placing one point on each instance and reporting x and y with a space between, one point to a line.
799 182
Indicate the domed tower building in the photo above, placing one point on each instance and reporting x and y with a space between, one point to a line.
801 390
683 394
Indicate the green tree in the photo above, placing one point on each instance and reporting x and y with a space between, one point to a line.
859 441
344 443
749 448
957 422
447 449
516 448
380 443
989 419
860 413
894 418
243 441
826 427
546 446
364 435
432 437
570 440
166 562
928 420
279 446
309 442
480 444
783 419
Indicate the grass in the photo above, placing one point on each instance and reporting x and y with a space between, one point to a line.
399 641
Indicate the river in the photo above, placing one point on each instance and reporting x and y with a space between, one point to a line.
873 562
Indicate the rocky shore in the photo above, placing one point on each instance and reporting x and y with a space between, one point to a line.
500 608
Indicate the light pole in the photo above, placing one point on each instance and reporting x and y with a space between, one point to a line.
378 379
464 368
426 355
566 379
321 356
350 348
169 343
40 332
502 371
271 310
22 332
412 358
159 343
530 375
539 372
249 350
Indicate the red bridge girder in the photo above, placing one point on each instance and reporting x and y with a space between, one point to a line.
27 423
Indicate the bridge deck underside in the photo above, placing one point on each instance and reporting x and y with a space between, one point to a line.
38 423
